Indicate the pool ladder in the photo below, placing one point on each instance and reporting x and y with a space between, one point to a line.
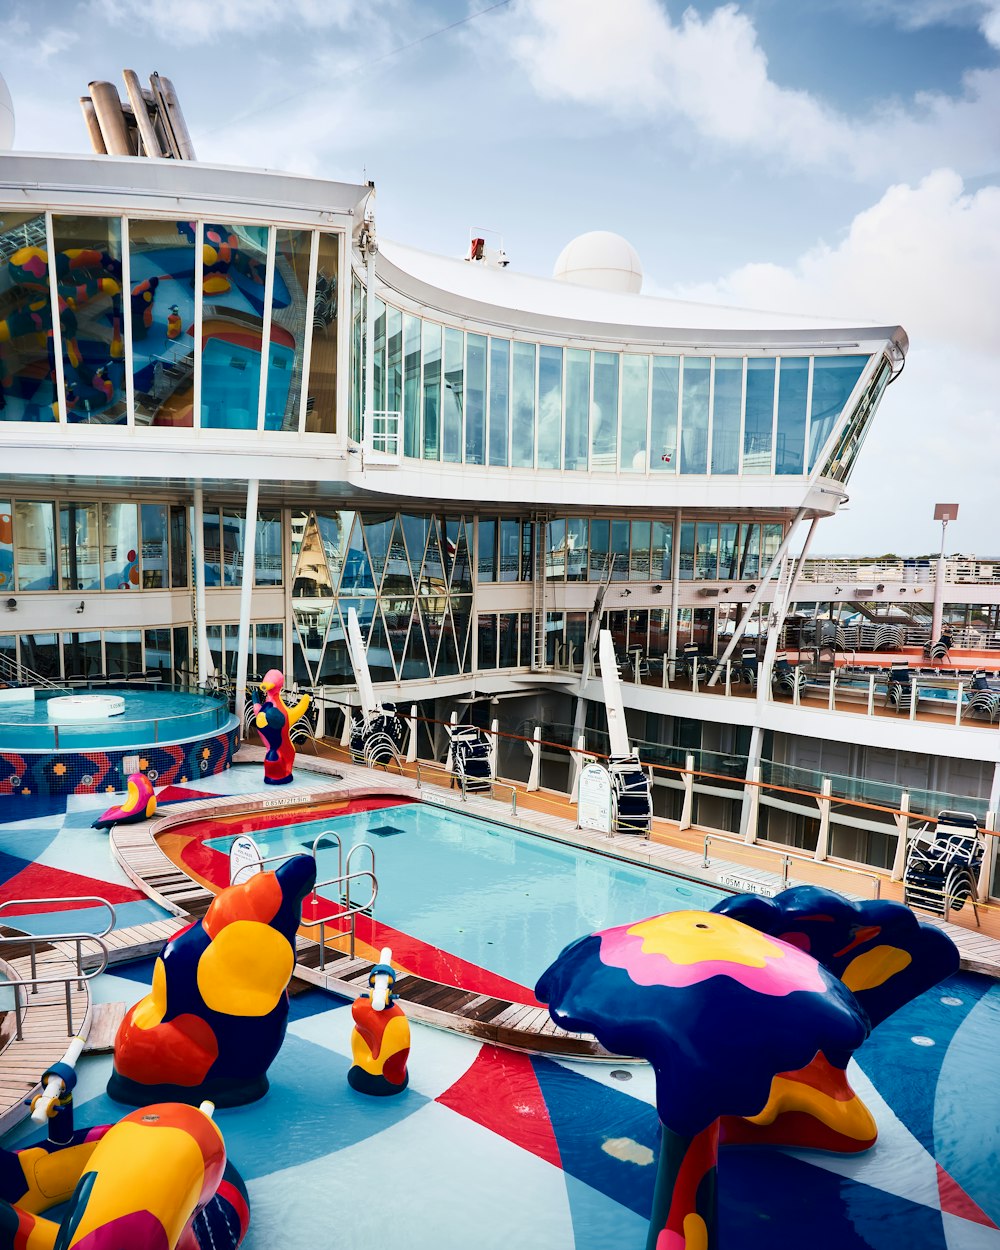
348 909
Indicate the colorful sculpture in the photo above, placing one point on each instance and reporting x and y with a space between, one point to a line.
140 804
156 1180
274 723
380 1042
885 957
216 1015
745 1024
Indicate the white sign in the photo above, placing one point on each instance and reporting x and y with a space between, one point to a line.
746 886
594 798
244 859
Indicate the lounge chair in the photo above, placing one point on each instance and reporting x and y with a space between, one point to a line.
785 677
747 670
900 691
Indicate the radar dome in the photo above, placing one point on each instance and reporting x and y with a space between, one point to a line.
600 259
6 118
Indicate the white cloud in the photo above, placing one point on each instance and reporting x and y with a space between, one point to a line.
707 76
990 26
201 21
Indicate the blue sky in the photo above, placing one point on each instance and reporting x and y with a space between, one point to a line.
834 156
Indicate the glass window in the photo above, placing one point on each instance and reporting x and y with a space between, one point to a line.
555 627
40 654
793 388
269 650
577 433
378 355
635 403
619 550
411 385
661 561
6 546
487 627
120 546
727 403
639 560
772 536
232 641
155 551
392 400
180 564
233 525
487 569
527 552
80 546
161 312
576 639
432 390
576 549
687 551
549 406
523 440
694 414
759 416
499 399
267 549
123 649
356 383
600 541
728 552
27 378
749 553
453 396
555 551
182 655
663 414
834 378
604 413
475 399
89 282
508 640
510 550
82 654
283 397
321 395
707 553
35 545
527 635
158 652
232 326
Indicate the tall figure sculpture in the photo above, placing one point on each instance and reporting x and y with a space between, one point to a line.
274 723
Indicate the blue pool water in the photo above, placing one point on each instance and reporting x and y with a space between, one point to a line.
501 899
150 717
230 382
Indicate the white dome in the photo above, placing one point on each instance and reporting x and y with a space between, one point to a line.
600 259
6 118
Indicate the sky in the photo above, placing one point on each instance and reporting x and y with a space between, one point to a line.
831 157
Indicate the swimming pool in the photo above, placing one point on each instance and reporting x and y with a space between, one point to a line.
458 894
150 716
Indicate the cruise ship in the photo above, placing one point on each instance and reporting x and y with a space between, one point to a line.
234 418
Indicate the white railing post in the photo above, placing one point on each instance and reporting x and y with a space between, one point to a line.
536 759
959 690
411 746
666 674
694 676
989 859
345 733
753 808
913 700
494 746
871 694
796 688
729 678
831 701
823 838
903 837
577 768
687 806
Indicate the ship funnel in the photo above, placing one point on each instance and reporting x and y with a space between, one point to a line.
149 123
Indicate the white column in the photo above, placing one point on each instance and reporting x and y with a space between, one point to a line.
205 662
411 746
535 746
246 595
687 808
823 838
751 807
903 838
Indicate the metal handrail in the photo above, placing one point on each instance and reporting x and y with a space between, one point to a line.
274 859
351 910
787 858
461 780
34 981
65 898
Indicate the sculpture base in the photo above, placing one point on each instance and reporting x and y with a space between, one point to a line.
277 781
377 1086
224 1092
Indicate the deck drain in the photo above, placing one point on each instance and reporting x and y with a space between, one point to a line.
619 1074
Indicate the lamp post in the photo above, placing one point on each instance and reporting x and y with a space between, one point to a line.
943 512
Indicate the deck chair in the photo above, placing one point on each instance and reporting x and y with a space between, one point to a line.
748 668
785 676
982 699
939 650
900 689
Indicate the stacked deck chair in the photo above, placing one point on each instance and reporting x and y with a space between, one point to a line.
631 796
983 700
785 676
471 762
748 669
942 864
900 691
376 739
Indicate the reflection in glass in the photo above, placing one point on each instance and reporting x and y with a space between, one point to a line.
393 398
523 434
619 549
487 570
687 551
834 378
161 308
750 553
180 565
321 390
577 552
157 652
475 399
267 549
40 654
793 388
604 413
123 651
288 329
82 654
509 640
707 551
600 537
727 402
555 551
635 402
694 414
639 559
154 551
661 560
89 283
6 546
453 396
759 416
268 646
35 543
235 270
549 406
728 550
432 391
486 641
510 550
120 546
499 400
577 436
27 374
411 385
663 415
80 546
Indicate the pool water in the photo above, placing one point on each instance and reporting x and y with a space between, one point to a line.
150 716
488 894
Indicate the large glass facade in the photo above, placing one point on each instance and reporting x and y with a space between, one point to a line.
27 376
161 312
234 279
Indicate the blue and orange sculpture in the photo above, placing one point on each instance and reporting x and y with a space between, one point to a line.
732 1016
157 1180
380 1041
140 804
216 1015
274 723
